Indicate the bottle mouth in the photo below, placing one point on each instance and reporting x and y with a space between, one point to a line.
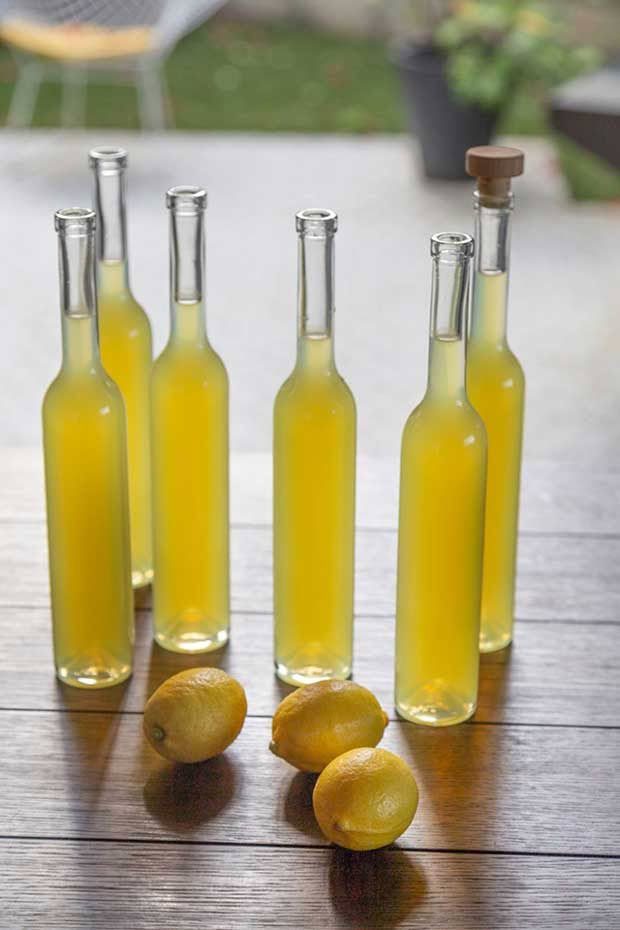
316 222
452 246
75 222
186 199
107 158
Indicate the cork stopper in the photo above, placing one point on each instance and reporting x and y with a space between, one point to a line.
494 166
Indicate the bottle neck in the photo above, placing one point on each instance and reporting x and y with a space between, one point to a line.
315 300
109 203
449 296
187 274
490 288
78 302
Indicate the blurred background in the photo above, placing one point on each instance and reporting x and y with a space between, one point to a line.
363 106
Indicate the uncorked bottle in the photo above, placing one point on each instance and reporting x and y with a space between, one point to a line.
126 349
190 452
85 450
441 521
314 480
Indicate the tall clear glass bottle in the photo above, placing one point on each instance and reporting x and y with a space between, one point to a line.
314 481
441 524
85 447
496 386
190 452
126 347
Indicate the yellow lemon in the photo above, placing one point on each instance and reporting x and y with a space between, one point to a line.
365 799
195 715
320 721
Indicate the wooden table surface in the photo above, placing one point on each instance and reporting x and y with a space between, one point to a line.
519 817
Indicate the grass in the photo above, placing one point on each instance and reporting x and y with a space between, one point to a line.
233 76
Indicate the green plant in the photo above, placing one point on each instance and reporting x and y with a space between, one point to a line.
494 46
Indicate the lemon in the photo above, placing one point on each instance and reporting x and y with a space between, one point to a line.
320 721
365 799
195 715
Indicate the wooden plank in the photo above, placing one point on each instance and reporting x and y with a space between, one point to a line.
564 498
560 577
556 673
483 788
68 886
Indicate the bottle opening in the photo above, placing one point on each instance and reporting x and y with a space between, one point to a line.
452 246
75 221
107 158
316 222
186 199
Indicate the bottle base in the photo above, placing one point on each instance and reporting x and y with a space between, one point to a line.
92 677
491 641
308 674
191 640
435 706
141 577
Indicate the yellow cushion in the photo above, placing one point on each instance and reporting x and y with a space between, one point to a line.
76 41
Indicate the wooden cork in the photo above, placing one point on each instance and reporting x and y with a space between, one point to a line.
494 166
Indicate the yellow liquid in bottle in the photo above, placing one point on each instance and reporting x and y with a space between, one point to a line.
496 388
440 540
314 515
126 353
88 520
190 492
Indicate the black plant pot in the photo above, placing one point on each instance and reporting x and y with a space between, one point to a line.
445 126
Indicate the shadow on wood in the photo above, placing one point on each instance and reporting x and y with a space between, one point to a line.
183 797
88 750
375 889
298 809
163 663
495 674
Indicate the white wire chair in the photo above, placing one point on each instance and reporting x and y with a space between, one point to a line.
156 24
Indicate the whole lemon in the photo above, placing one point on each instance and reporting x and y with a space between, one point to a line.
365 799
320 721
195 715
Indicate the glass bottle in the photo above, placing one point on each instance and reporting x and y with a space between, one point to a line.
314 481
126 347
496 386
441 524
85 448
190 452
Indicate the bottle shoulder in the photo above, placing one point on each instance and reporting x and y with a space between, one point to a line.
189 362
495 362
122 309
74 394
446 423
315 390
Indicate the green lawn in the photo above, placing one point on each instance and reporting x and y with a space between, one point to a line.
231 76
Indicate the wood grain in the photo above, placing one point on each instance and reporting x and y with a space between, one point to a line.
70 886
559 577
483 788
564 498
556 673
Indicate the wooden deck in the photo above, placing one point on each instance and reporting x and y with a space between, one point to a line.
519 818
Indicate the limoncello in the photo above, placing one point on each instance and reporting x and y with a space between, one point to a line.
190 454
126 348
496 387
314 481
441 521
85 450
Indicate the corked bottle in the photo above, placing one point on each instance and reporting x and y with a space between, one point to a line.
496 384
